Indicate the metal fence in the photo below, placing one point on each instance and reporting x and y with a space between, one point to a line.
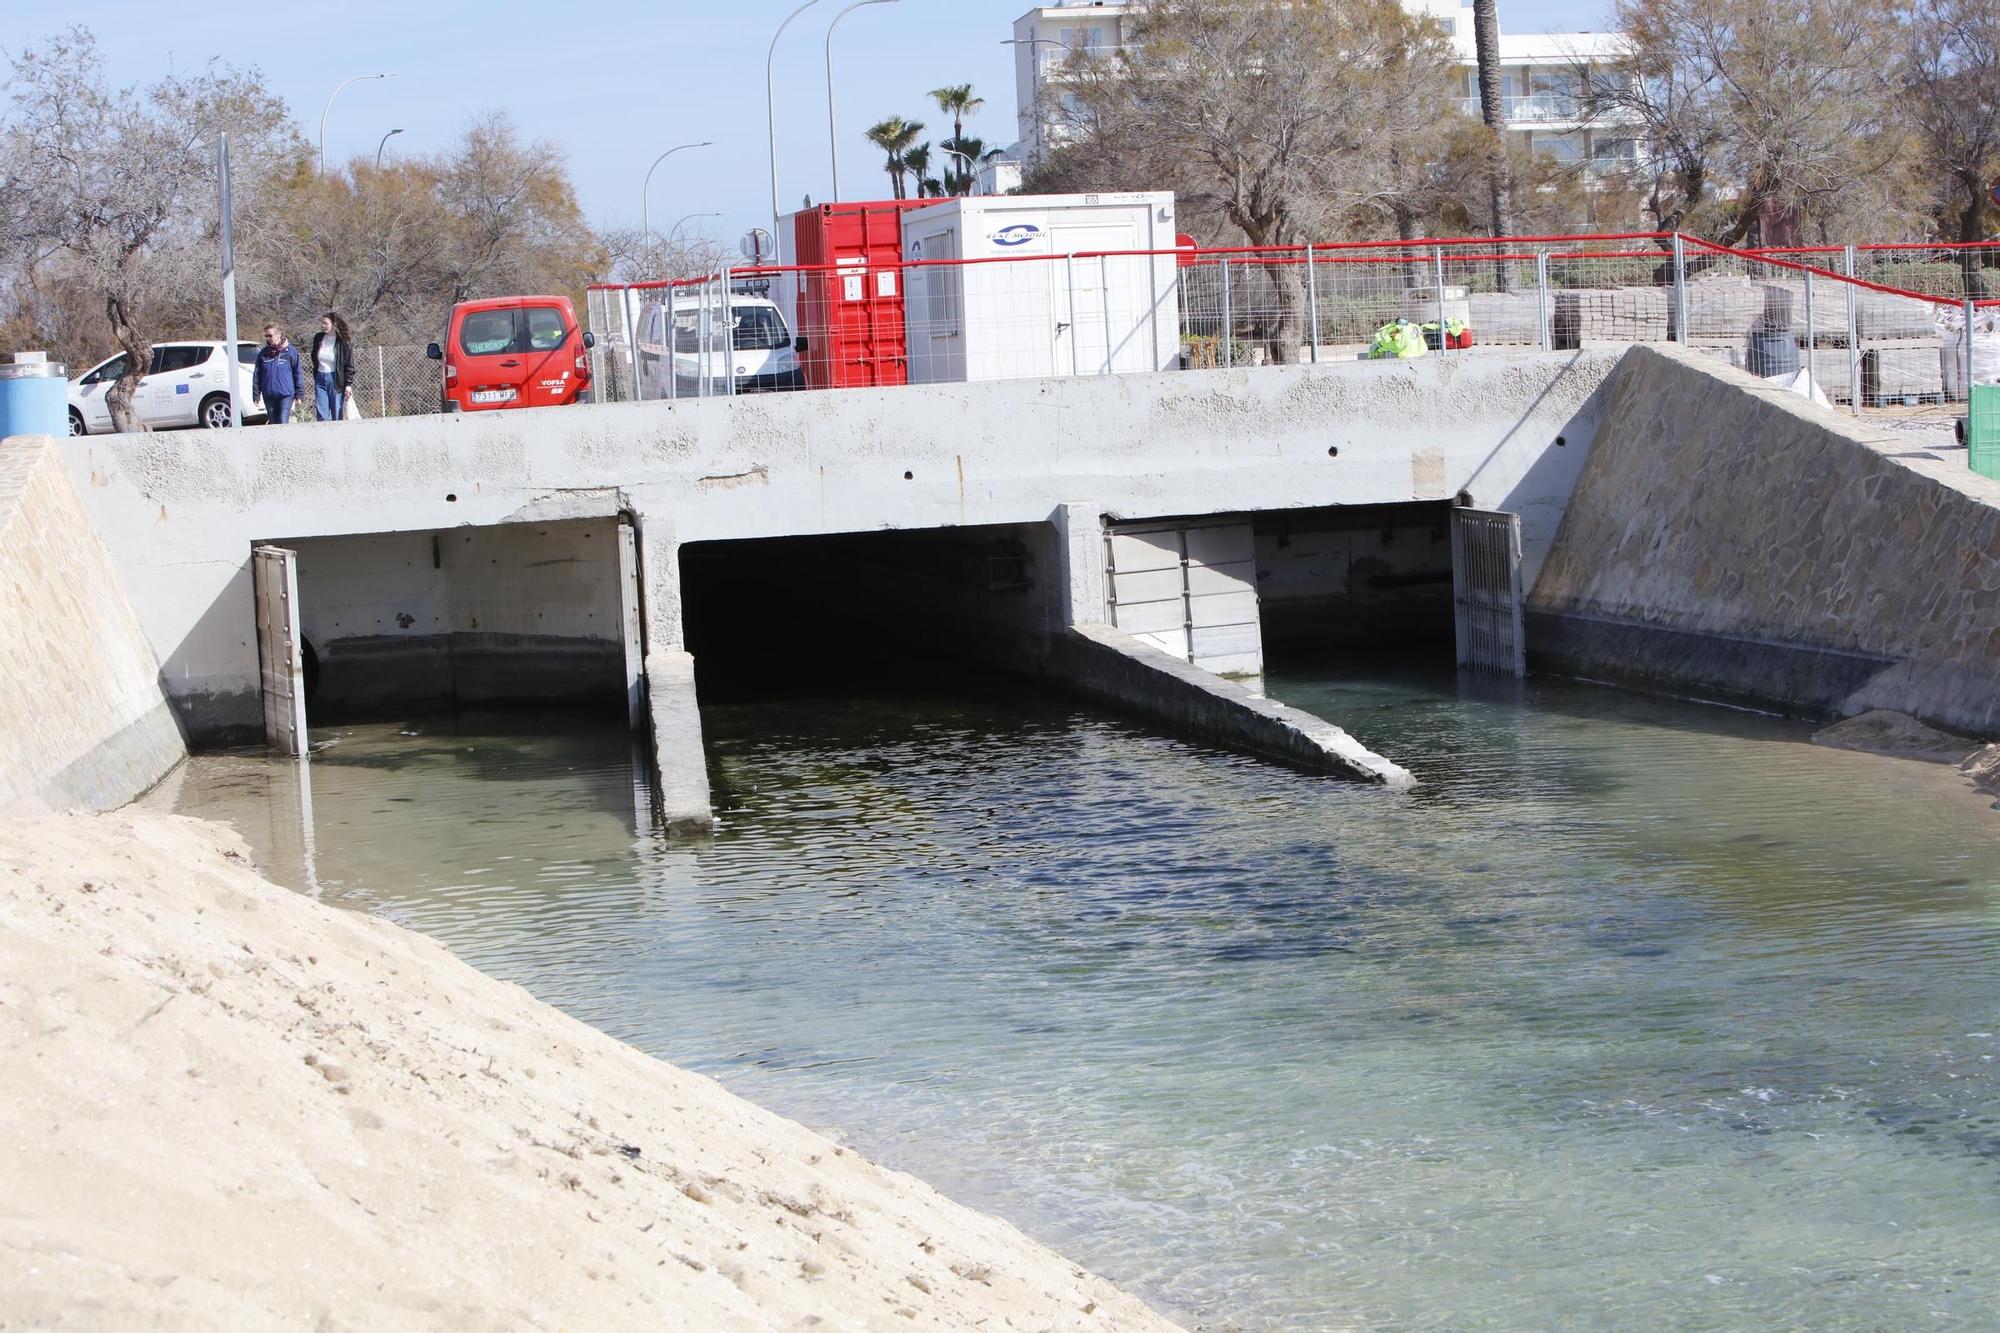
1824 321
388 382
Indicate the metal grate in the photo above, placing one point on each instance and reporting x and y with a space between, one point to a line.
1189 589
1486 590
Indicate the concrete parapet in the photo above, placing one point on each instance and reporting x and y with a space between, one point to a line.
1114 668
83 722
1729 540
680 762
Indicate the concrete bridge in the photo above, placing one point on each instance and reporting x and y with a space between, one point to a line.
608 550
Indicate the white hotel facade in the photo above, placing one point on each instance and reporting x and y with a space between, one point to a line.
1542 103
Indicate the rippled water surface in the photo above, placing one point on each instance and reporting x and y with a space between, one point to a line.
1636 1014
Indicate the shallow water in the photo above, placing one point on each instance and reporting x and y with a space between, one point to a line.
1635 1014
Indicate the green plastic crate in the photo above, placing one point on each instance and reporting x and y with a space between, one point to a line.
1982 430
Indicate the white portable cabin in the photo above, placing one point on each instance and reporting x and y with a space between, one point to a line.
1051 302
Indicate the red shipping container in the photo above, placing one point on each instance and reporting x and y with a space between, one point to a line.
851 310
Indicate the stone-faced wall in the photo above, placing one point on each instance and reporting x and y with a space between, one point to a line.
1729 540
83 721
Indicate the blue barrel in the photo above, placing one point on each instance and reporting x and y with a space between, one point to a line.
34 397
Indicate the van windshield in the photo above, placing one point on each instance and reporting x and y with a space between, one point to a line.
492 332
759 328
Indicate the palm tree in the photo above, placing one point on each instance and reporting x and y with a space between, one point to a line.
959 171
1492 108
895 137
956 100
918 161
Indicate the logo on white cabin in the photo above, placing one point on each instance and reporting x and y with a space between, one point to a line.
1019 233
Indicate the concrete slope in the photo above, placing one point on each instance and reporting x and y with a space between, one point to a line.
1119 671
1729 540
83 721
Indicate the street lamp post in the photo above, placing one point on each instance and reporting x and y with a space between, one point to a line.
380 146
832 130
1030 116
971 167
646 190
329 106
675 230
771 104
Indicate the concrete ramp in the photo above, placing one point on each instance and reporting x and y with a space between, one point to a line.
1115 669
1729 540
83 721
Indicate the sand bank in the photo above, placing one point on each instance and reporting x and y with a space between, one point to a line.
227 1105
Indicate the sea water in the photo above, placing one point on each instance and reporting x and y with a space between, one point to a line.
1635 1013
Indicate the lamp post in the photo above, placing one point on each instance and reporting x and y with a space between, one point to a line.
1031 43
832 131
771 104
971 167
380 146
646 190
329 106
675 230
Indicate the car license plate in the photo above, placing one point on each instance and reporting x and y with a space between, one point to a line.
493 395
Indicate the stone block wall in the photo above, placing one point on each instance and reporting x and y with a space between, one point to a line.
1729 540
83 721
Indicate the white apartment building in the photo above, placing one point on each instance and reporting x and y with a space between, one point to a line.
1542 97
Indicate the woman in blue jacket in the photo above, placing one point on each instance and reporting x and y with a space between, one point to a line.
276 380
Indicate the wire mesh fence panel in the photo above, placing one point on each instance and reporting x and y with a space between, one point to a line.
398 382
388 382
1862 344
1901 357
1955 271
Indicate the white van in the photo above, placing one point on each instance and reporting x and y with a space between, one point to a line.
187 384
761 354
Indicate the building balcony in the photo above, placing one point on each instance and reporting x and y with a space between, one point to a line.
1535 109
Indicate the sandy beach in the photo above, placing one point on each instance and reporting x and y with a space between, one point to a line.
229 1105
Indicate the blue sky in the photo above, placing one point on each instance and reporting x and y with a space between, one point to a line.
618 82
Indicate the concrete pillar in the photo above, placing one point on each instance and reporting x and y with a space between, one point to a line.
660 572
1081 596
680 761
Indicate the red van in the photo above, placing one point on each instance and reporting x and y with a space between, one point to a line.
513 351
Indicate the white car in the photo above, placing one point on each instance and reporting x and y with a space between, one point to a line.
760 351
187 385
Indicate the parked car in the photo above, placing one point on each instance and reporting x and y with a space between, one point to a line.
759 351
513 351
186 385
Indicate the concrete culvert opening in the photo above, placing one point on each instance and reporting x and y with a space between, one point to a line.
510 616
1356 580
866 613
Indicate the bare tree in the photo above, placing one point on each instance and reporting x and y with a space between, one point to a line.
636 258
393 248
1274 119
110 190
1759 119
1948 85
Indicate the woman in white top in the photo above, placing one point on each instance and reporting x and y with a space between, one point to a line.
333 367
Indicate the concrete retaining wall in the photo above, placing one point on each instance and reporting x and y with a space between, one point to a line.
83 721
1728 540
180 510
